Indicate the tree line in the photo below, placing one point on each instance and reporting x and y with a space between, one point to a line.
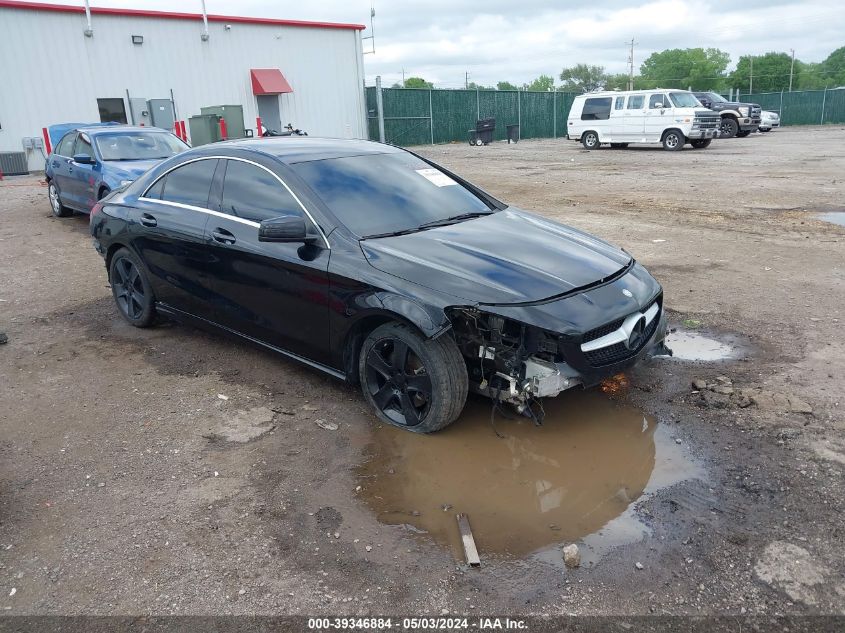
696 68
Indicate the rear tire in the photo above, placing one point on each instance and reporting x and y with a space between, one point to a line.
59 210
701 143
673 140
131 289
728 127
411 382
590 140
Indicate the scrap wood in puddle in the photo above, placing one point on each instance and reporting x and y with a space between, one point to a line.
469 542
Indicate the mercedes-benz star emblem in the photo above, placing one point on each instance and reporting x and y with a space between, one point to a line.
635 338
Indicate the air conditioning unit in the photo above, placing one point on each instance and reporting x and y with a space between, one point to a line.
13 163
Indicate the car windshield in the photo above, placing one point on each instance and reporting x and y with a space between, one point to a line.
139 146
684 100
378 194
716 97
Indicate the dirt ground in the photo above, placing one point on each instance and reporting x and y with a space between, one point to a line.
173 471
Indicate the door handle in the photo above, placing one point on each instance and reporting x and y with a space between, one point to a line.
223 236
148 220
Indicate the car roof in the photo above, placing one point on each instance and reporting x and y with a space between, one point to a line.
297 149
616 93
94 130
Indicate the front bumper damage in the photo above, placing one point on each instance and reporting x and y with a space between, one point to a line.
600 335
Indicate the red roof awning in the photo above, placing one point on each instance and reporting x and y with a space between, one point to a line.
268 81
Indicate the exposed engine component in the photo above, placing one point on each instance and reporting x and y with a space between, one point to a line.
510 361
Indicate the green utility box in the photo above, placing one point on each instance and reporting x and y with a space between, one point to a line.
205 129
234 115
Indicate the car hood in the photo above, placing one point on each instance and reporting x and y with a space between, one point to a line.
129 170
504 258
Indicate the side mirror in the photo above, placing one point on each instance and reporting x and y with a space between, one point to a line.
83 159
285 228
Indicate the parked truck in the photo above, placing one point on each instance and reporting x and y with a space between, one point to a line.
738 119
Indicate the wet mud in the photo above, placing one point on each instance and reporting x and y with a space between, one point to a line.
525 488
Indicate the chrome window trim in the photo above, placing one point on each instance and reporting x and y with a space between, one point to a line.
226 215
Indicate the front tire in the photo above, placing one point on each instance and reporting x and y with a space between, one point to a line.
131 289
59 210
701 143
590 140
673 140
729 127
411 382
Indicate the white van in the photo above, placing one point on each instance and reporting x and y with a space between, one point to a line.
670 117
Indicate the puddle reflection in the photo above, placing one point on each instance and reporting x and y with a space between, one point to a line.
535 487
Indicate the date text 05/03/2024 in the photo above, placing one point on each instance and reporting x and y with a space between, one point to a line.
417 623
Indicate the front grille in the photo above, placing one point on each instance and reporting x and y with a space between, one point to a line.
756 111
618 352
706 120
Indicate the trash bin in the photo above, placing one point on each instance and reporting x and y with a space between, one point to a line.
483 132
513 133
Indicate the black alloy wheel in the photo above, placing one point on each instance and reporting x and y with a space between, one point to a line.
412 382
131 290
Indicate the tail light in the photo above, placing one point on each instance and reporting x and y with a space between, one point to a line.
94 211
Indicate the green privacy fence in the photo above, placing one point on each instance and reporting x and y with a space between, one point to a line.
807 107
419 116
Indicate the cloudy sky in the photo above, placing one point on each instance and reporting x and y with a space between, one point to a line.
516 41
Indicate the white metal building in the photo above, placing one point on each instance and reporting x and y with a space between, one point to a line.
57 67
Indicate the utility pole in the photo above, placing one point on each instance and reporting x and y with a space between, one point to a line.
631 65
791 68
466 80
751 76
403 77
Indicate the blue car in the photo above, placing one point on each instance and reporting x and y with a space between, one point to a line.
90 162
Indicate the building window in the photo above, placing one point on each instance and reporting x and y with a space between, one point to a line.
112 110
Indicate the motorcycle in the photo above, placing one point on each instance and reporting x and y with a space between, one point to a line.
289 130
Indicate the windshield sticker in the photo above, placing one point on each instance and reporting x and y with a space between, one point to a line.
436 177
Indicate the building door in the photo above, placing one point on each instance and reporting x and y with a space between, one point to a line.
268 110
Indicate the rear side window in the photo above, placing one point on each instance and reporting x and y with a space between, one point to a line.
596 108
252 193
620 103
190 184
635 102
65 146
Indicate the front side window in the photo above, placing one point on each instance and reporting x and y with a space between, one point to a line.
83 146
139 146
190 184
657 101
383 193
65 146
684 100
596 108
635 102
253 193
620 103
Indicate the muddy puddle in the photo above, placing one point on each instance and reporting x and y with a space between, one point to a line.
834 217
687 345
531 489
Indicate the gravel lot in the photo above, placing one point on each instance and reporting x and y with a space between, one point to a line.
172 471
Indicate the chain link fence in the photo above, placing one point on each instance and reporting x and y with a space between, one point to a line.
422 117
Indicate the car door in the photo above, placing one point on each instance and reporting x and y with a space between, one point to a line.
168 229
60 167
271 291
657 115
617 119
82 175
634 117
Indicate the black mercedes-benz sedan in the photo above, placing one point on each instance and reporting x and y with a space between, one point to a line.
377 266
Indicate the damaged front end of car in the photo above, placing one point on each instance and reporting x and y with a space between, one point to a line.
521 354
